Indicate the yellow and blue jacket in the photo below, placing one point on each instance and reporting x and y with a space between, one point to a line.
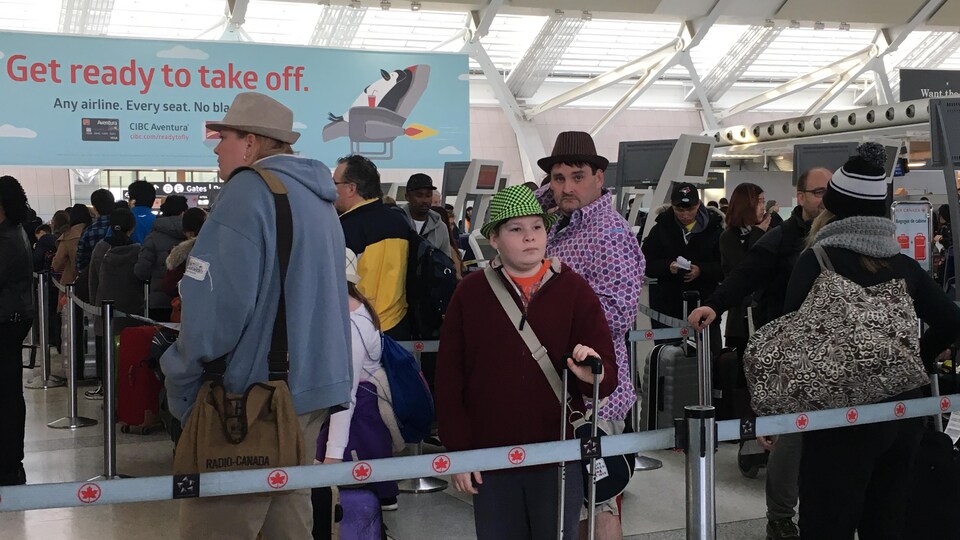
380 238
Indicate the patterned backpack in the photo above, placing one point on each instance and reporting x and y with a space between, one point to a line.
847 345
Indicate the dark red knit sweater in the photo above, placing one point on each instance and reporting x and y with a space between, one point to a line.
490 391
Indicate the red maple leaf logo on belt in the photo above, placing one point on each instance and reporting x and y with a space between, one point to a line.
441 464
517 455
802 421
88 493
900 410
361 471
852 415
944 404
277 479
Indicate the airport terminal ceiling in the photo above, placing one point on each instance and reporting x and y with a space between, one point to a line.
746 54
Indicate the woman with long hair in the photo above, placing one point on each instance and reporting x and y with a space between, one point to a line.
16 319
747 220
856 478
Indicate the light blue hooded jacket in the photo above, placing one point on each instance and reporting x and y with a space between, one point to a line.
232 287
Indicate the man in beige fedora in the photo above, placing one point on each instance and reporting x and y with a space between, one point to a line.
597 243
230 293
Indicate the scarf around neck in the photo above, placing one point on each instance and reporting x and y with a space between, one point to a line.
867 235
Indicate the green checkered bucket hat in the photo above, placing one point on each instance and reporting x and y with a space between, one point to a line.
514 201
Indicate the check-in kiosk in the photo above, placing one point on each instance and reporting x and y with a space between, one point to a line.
648 170
478 185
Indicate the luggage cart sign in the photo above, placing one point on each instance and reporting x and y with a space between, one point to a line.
914 230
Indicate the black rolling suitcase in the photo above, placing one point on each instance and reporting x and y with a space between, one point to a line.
670 381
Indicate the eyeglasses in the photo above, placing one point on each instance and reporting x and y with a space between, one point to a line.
819 192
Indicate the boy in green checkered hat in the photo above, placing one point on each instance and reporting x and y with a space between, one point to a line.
490 391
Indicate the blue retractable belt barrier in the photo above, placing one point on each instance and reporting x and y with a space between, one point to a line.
68 494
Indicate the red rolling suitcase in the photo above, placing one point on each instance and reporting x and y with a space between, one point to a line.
138 388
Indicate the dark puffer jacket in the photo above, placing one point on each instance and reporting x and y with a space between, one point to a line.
151 264
16 274
701 247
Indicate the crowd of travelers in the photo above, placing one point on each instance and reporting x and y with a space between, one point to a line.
568 262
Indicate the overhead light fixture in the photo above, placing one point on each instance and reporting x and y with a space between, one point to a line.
794 23
385 4
415 6
819 25
769 23
845 26
586 15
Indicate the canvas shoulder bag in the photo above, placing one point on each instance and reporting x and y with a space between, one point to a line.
847 345
258 428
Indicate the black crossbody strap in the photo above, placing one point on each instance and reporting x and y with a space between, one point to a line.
279 358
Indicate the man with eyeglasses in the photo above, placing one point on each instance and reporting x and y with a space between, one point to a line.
768 266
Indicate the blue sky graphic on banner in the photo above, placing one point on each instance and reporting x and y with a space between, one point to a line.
76 101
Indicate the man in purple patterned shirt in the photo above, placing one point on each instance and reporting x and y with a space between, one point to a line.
597 243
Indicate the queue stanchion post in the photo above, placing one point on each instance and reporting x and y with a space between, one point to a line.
700 432
427 484
146 299
46 379
109 397
73 420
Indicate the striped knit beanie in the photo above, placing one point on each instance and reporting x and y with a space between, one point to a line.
859 188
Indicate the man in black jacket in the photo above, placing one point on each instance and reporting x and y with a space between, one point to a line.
768 266
683 254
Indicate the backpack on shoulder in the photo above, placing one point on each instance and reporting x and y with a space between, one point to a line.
411 398
431 280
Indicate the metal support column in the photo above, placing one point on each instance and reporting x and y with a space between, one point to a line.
701 472
109 397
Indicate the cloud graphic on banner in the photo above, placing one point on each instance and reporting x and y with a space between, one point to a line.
450 151
464 77
299 125
183 53
7 130
1 54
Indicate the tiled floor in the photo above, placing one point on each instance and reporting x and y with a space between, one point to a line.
653 505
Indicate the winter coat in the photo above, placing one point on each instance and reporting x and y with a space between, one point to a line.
735 242
666 242
151 265
43 252
932 305
112 277
434 230
16 274
176 265
766 267
65 260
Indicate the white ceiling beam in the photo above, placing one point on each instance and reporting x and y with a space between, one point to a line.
483 20
709 119
650 76
638 65
237 11
528 138
894 36
841 84
803 82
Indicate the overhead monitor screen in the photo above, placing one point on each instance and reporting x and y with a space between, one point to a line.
830 156
487 252
610 176
697 160
453 173
502 184
893 153
402 193
488 177
641 163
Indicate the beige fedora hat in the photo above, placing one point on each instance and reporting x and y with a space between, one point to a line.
259 114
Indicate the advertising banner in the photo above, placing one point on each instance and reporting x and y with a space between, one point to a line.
913 230
76 101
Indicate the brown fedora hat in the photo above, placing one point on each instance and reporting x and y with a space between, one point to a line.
259 114
573 147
